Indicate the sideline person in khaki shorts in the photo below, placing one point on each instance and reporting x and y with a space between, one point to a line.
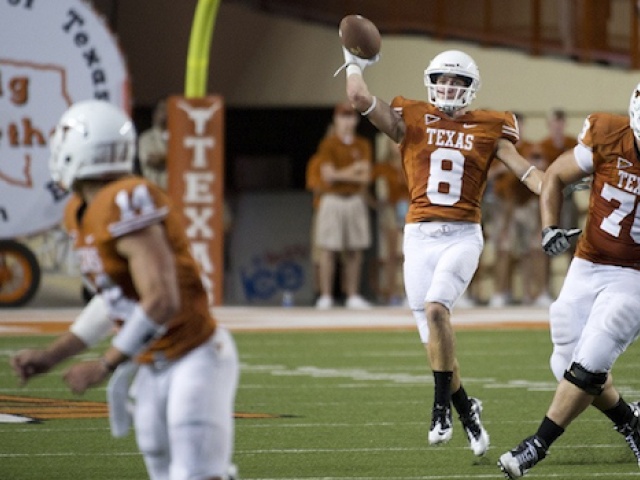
342 222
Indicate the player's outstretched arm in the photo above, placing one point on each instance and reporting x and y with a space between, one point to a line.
359 35
29 363
520 166
377 111
562 172
152 267
90 327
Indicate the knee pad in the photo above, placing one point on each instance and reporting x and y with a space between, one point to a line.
592 383
565 324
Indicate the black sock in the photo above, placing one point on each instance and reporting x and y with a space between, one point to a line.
461 402
549 431
442 382
620 414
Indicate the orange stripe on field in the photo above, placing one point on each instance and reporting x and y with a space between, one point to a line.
53 408
504 326
33 328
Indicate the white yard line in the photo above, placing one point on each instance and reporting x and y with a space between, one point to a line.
301 318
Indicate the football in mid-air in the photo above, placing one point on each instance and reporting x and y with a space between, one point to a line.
360 36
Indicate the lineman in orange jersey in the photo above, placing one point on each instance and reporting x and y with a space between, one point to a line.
595 317
447 150
134 253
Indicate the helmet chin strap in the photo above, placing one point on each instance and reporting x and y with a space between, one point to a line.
449 110
454 112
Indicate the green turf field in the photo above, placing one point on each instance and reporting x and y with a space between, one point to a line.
346 405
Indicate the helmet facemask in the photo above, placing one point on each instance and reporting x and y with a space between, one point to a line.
634 112
447 96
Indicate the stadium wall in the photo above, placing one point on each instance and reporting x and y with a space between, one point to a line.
266 60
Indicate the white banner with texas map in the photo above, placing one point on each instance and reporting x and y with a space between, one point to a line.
53 53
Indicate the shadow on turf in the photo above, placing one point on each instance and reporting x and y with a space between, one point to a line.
483 461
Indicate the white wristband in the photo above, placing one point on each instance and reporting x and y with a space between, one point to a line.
527 173
374 102
353 69
137 332
93 324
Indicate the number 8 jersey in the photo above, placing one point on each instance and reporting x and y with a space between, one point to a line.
607 150
446 160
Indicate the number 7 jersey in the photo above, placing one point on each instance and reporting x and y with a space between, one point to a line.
607 150
446 160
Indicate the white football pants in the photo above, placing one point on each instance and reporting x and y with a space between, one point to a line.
183 412
596 316
440 259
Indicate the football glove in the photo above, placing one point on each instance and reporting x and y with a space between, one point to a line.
555 240
351 59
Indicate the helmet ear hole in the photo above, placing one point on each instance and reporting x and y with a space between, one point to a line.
67 159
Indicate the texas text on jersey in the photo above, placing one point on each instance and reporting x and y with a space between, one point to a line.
446 160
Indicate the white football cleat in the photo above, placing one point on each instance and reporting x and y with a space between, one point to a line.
477 435
441 429
515 463
631 431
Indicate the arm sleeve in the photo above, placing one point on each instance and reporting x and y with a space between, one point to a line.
584 157
93 324
510 129
398 104
583 151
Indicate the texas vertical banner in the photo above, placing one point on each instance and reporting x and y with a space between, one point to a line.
196 176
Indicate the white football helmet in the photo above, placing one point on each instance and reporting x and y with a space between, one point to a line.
450 98
93 139
634 112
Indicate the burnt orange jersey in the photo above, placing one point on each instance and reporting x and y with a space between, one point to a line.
446 160
612 232
314 182
340 155
122 207
550 152
524 147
